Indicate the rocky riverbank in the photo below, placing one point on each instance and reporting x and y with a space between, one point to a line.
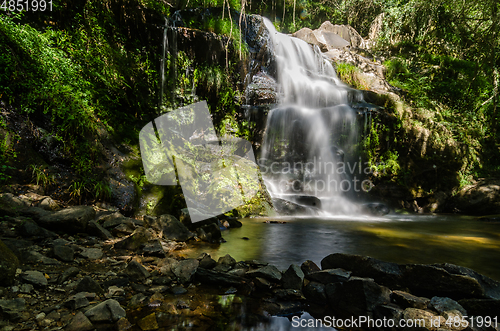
86 268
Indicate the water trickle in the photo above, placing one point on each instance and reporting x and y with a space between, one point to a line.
309 132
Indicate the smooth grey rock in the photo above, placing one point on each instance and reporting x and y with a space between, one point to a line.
124 229
222 268
79 300
329 276
115 291
136 240
8 264
63 253
11 205
68 273
47 203
185 269
69 220
207 276
442 305
107 311
384 273
92 253
30 229
137 300
116 219
35 213
136 271
26 288
309 266
490 286
34 277
407 300
88 284
178 290
293 278
207 262
427 280
153 248
36 257
285 207
269 272
173 229
17 304
96 229
227 260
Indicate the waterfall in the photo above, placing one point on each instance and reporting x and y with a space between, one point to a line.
310 134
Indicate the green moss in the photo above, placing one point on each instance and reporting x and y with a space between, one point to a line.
351 75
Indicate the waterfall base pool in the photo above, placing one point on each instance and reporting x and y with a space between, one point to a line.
425 239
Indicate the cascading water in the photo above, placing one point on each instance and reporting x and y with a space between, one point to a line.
306 136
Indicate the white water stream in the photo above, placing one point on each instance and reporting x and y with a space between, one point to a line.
311 132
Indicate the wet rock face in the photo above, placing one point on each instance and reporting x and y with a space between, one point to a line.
205 47
260 83
481 198
385 273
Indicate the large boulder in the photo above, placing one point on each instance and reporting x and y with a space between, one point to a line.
490 286
107 311
481 307
262 90
133 242
293 278
8 265
384 273
360 296
308 36
11 205
428 280
185 269
481 198
346 32
285 207
173 229
70 220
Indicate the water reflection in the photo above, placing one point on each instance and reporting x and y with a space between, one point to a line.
459 240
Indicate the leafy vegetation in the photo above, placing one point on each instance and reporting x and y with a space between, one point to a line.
93 66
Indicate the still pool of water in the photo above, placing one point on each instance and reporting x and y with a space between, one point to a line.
460 240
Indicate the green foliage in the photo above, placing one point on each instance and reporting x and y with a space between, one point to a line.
102 191
4 172
77 191
350 75
41 176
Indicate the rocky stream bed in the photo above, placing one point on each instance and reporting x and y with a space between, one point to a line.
89 268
